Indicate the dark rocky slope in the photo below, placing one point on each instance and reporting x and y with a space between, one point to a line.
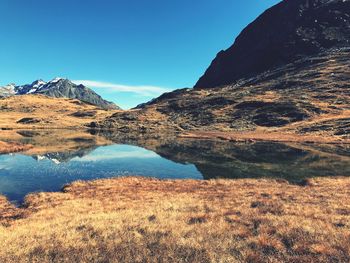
309 96
286 32
288 72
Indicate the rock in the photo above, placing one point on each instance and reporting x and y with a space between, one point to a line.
82 114
28 120
290 30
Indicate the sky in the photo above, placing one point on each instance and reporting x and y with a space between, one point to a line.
128 51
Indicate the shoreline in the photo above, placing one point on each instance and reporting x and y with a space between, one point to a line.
233 136
132 218
81 187
263 137
24 204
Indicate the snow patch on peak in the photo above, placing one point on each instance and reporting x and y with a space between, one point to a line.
31 91
55 80
38 84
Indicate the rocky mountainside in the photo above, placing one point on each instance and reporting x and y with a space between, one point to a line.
289 31
58 88
288 72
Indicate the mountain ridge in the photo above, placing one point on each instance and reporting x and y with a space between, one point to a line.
284 33
306 95
58 88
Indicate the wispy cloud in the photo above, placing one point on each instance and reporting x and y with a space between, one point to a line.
149 91
110 155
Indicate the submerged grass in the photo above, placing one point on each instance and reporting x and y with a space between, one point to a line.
149 220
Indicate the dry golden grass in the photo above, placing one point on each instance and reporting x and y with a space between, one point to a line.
149 220
48 112
61 113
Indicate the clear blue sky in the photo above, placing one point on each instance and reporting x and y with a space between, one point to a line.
119 45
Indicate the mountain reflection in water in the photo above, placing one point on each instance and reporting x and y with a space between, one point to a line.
60 157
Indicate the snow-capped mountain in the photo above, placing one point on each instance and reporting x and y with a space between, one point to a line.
58 88
30 88
8 90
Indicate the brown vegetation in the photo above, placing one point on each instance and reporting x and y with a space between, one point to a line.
149 220
40 142
42 112
6 147
53 140
307 100
258 135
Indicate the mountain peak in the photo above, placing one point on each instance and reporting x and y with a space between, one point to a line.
288 31
38 84
55 80
58 88
38 81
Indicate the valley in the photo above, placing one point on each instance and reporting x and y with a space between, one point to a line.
251 164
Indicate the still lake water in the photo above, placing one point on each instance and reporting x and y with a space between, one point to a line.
23 173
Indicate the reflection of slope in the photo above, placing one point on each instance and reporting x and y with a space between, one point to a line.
64 157
94 154
223 159
262 159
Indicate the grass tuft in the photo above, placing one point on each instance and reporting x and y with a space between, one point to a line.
149 220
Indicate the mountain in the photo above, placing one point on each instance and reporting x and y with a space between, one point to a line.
8 90
287 73
58 88
289 31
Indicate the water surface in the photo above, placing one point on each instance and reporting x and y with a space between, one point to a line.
58 159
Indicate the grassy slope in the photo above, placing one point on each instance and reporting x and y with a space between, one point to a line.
48 112
148 220
303 101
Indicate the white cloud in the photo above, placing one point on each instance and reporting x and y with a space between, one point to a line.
110 155
149 91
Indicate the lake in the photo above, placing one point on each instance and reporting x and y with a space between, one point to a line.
60 157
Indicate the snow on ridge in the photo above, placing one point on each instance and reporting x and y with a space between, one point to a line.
31 91
38 84
55 80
